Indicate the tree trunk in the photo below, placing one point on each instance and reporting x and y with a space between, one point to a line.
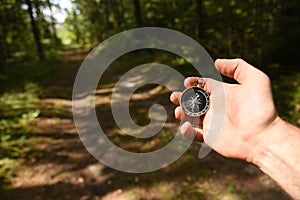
2 55
56 40
199 32
35 31
3 48
76 28
107 24
137 12
118 9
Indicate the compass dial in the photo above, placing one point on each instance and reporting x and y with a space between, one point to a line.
194 101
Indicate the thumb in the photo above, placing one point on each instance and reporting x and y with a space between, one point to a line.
238 69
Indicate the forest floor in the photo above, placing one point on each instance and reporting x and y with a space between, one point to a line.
57 165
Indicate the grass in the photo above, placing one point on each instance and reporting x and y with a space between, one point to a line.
20 91
17 111
22 87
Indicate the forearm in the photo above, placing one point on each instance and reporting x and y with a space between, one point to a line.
278 155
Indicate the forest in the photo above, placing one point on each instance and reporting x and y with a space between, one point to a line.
44 42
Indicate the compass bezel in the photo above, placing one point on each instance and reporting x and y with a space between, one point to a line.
189 93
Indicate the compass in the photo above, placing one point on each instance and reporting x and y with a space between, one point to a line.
195 101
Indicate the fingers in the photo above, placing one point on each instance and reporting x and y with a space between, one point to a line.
187 129
205 83
180 115
189 82
238 69
175 97
191 132
190 127
193 81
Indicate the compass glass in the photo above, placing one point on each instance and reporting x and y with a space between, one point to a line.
194 101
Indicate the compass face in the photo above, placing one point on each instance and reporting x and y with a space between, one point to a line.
194 101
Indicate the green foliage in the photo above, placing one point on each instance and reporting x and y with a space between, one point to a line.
20 76
13 22
286 90
20 90
259 31
227 28
17 109
17 104
286 34
17 42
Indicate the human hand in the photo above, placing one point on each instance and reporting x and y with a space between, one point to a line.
249 110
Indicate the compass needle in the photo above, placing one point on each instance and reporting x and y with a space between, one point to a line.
195 101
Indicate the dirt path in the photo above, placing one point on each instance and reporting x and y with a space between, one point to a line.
59 167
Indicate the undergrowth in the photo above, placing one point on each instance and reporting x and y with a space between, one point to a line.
17 109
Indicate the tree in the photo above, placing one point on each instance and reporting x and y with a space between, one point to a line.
106 13
36 32
199 18
284 49
53 23
137 13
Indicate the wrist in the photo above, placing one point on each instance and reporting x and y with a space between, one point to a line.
265 141
277 154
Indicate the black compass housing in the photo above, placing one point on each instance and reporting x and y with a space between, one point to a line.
194 101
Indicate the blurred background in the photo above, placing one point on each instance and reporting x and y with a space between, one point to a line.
42 44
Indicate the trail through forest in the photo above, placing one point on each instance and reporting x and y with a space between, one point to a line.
57 166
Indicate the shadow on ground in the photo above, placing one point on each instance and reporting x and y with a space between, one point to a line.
59 167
